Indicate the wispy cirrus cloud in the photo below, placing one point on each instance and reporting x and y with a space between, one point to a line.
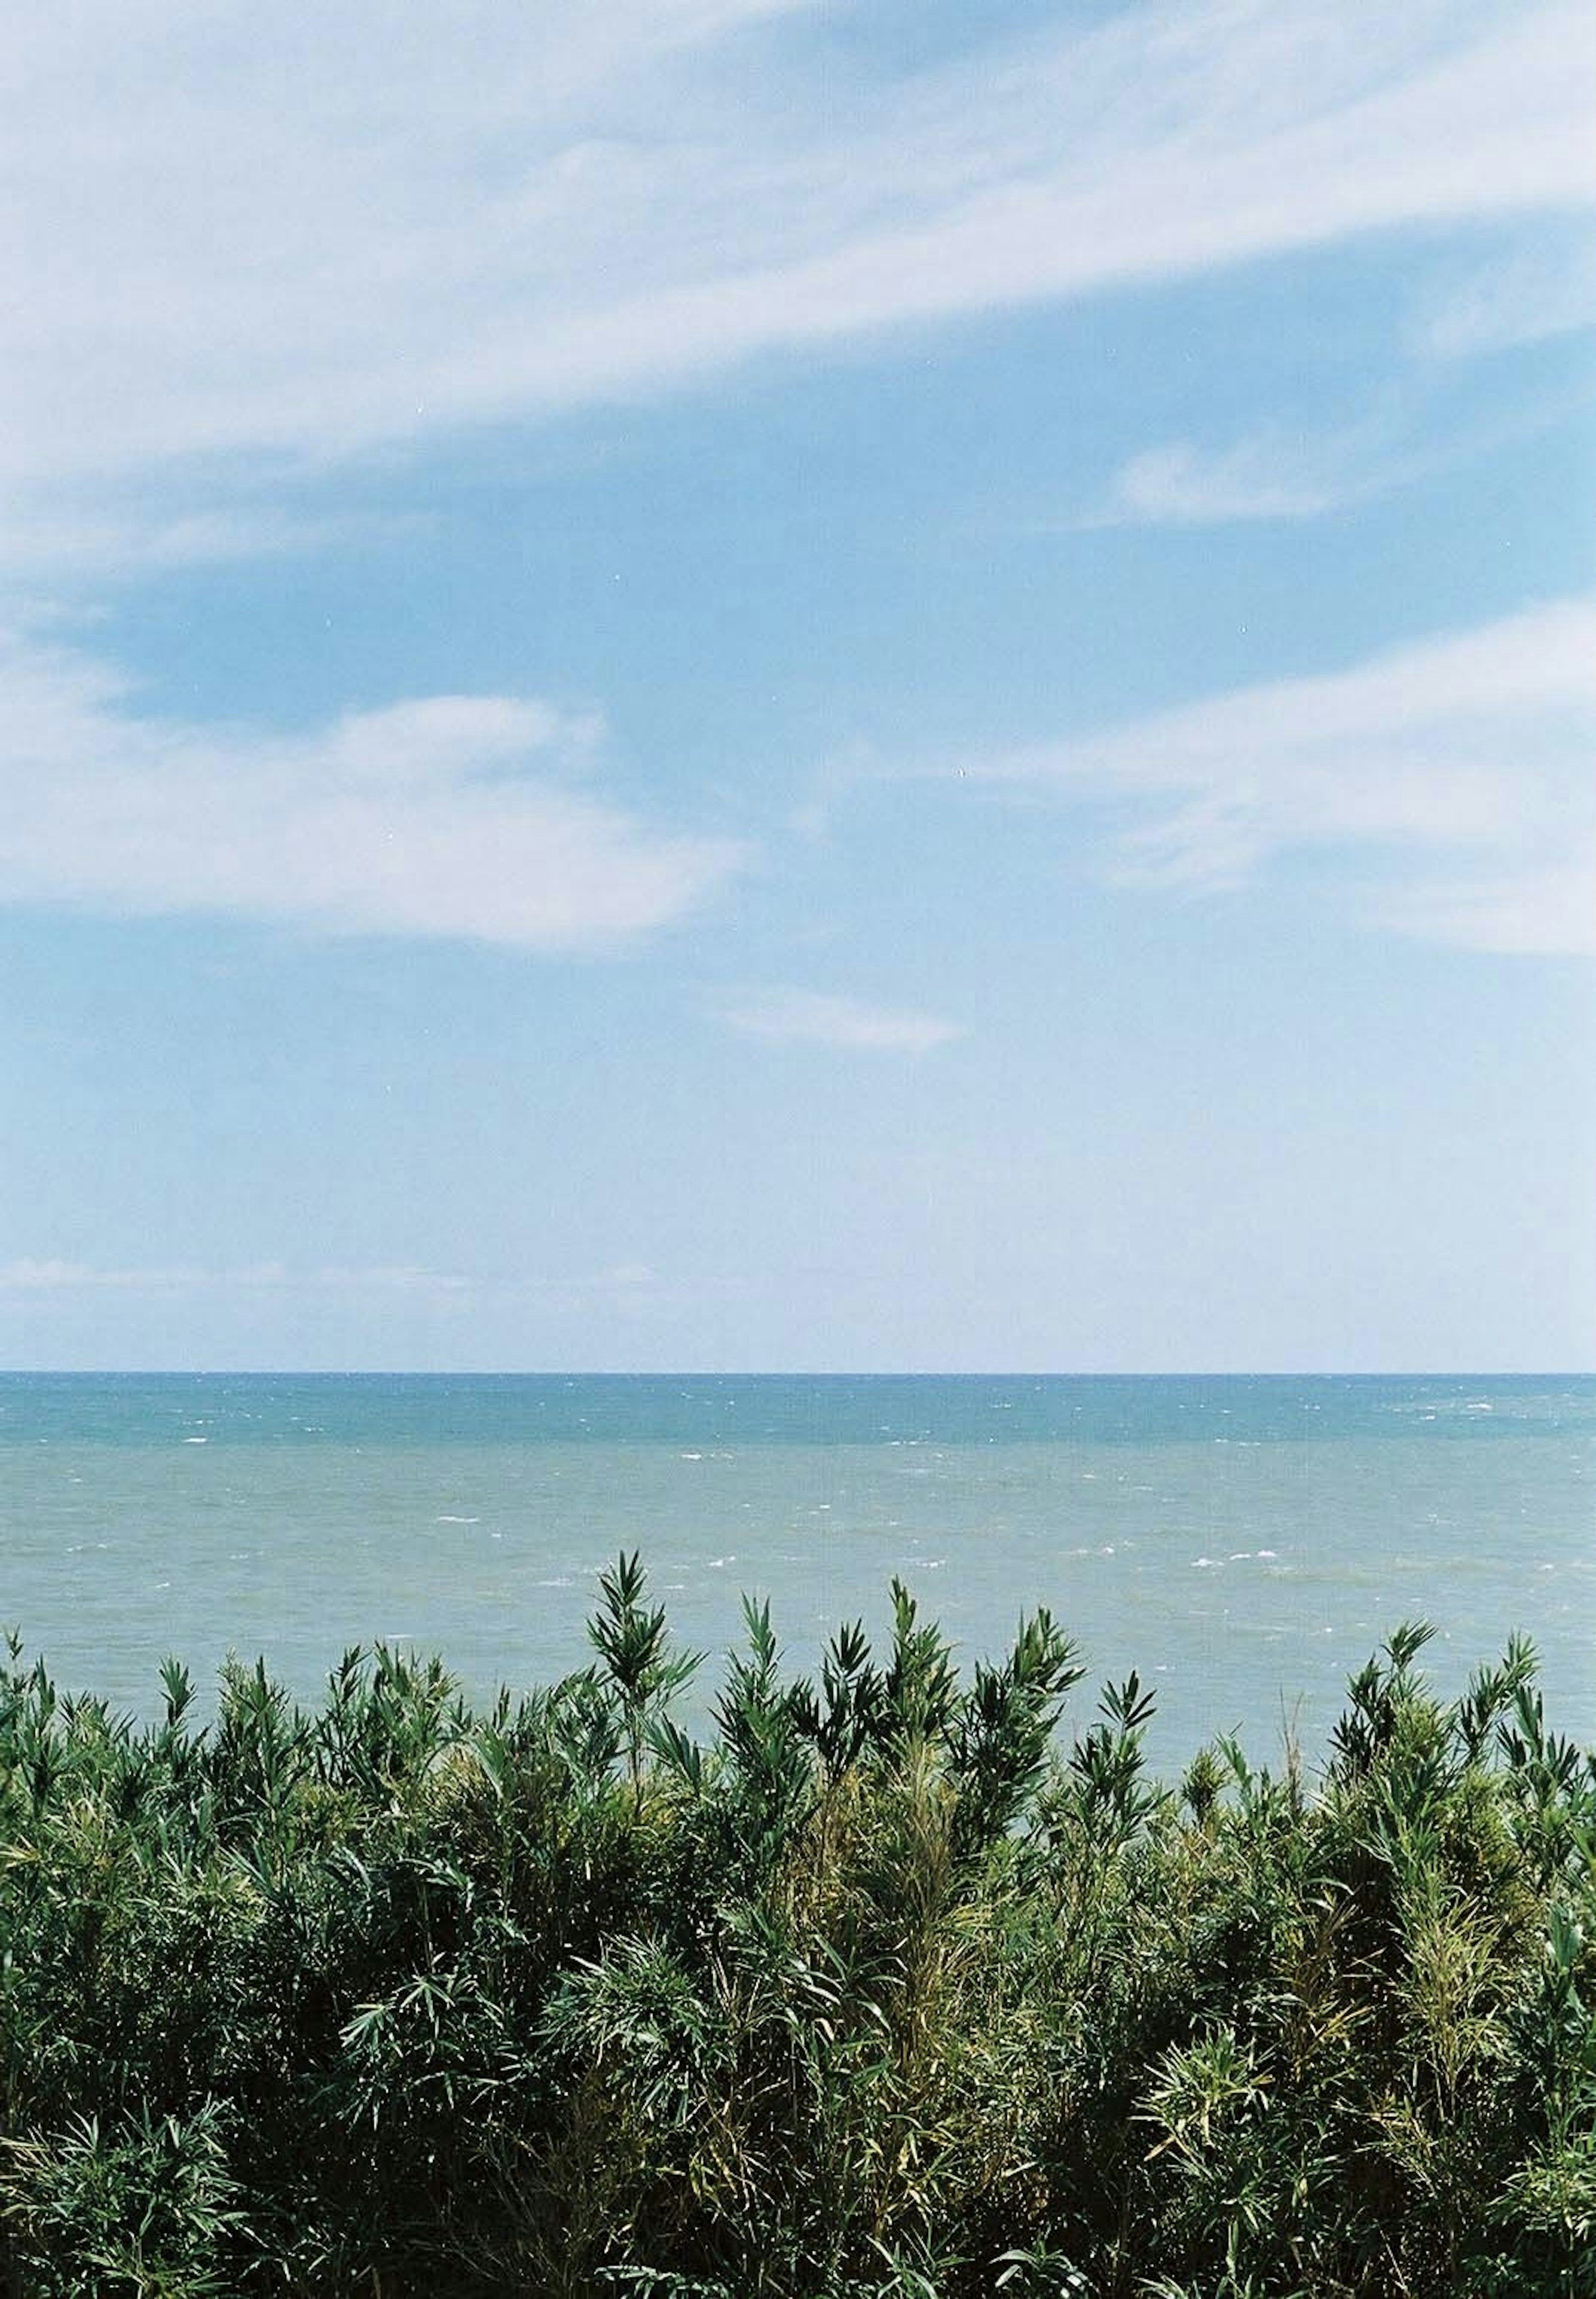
260 1305
1280 472
1268 478
256 252
1463 762
47 1276
455 816
80 533
1529 295
44 1275
820 1018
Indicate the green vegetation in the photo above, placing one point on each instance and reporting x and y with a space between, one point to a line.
880 1992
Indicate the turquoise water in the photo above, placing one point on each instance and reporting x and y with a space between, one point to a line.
1242 1542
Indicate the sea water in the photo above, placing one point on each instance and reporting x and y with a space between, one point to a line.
1242 1543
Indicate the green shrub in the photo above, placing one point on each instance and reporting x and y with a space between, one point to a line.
878 1990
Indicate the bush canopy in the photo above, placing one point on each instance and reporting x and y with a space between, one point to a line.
882 1990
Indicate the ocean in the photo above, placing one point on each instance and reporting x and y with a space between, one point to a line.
1242 1543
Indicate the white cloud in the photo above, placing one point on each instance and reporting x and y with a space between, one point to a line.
227 237
57 1276
79 533
817 1018
1546 909
1526 297
1278 473
1180 484
452 816
44 1274
1465 759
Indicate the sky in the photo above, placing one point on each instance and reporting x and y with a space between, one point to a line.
745 684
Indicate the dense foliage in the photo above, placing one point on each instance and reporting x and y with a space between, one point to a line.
878 1993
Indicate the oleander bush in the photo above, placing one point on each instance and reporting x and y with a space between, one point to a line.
879 1990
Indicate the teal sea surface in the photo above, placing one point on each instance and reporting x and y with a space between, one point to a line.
1242 1542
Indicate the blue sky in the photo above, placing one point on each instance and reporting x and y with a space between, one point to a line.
742 685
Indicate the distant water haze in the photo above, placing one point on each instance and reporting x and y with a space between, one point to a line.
1242 1542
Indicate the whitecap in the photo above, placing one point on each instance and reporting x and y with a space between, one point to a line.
457 1520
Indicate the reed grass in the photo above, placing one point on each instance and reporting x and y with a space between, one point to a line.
882 1988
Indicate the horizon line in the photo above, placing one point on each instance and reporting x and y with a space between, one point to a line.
710 1372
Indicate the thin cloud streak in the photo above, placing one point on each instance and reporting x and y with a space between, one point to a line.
1530 296
1180 484
85 538
449 816
1277 474
814 1018
1466 759
56 1276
